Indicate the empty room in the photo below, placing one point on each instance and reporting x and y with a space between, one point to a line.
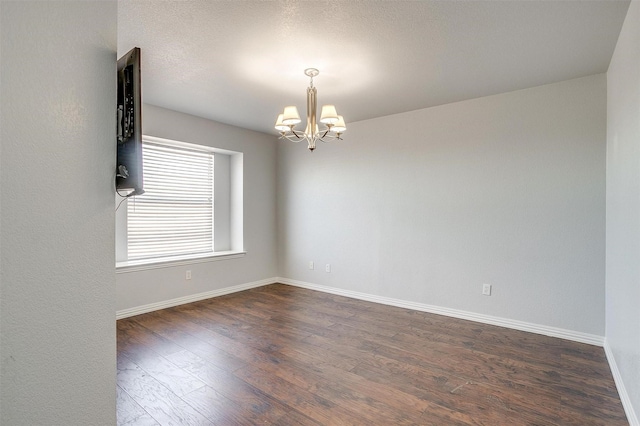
320 213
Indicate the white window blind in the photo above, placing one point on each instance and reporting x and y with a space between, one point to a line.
175 214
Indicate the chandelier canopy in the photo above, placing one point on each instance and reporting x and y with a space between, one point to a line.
333 124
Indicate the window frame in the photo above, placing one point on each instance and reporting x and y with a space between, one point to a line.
235 245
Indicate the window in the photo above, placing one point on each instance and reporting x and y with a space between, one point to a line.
175 215
193 193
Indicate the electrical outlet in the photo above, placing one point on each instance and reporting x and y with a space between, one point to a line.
188 275
327 267
486 289
311 264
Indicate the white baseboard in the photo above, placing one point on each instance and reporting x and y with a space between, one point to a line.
455 313
124 313
622 391
576 336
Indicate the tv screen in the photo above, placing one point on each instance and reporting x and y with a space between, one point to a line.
129 129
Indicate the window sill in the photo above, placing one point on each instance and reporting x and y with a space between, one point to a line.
168 262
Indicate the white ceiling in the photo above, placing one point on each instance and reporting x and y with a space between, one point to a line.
241 62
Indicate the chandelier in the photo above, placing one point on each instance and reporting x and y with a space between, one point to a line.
333 124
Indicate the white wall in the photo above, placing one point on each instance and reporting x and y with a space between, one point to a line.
623 206
222 205
57 338
135 289
427 206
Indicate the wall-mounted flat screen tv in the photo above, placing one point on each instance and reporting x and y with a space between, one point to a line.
129 129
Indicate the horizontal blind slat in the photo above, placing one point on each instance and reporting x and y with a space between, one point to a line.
175 214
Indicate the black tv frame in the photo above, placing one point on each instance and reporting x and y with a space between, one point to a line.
129 169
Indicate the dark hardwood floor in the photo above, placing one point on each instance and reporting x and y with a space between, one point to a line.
280 355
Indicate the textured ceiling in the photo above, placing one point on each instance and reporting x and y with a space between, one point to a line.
241 62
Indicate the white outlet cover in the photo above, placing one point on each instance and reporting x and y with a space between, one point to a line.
327 267
486 289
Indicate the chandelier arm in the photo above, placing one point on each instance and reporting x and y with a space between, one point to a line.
290 138
330 137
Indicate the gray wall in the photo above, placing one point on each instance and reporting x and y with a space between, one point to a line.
623 205
57 320
134 289
427 206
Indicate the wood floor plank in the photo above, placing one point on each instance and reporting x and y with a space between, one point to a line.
144 420
469 364
591 407
130 329
176 329
175 379
129 411
255 351
464 395
280 355
249 404
216 407
313 406
158 401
